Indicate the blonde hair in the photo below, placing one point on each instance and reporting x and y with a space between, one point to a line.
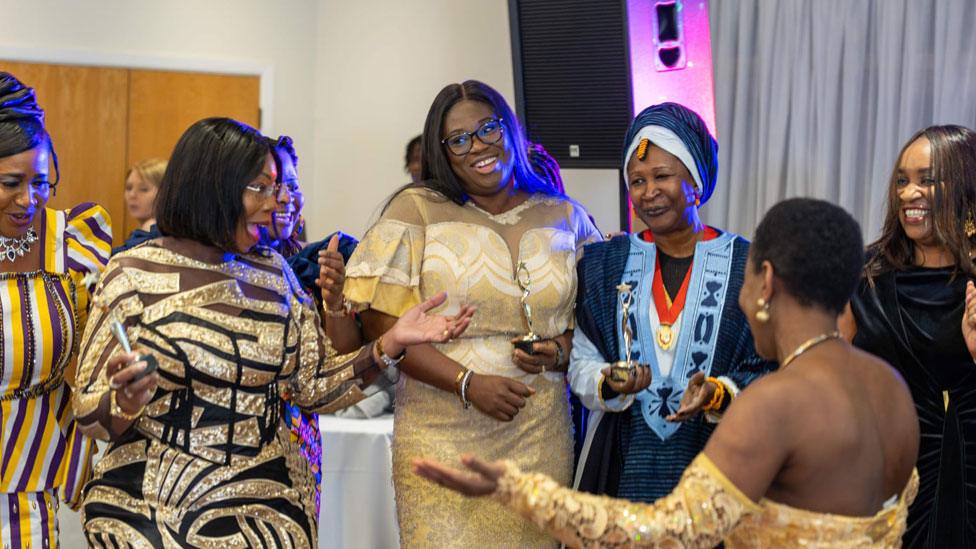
150 170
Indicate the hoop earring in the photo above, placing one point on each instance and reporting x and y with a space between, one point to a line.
762 315
970 226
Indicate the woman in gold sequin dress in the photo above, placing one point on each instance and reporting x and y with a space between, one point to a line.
199 461
478 214
819 454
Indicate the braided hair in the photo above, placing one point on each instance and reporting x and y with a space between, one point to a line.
22 121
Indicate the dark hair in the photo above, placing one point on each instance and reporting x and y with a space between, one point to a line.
815 248
22 121
200 195
546 167
277 147
954 199
415 142
286 245
436 173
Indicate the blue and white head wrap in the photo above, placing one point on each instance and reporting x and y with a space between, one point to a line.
681 132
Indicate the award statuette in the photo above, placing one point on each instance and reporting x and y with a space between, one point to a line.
524 282
622 369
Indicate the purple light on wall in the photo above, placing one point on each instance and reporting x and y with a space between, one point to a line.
685 73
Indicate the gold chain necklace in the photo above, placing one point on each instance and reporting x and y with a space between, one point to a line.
806 345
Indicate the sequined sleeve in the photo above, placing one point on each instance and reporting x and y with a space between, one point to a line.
700 512
116 296
325 381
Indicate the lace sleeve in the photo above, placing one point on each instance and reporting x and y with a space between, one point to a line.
702 509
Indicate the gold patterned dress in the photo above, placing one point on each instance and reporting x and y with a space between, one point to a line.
703 510
425 244
206 465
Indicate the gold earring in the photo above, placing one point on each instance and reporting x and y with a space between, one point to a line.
970 225
762 315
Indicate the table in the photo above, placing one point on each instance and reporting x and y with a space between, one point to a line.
358 509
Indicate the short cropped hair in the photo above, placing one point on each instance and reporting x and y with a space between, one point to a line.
816 250
200 197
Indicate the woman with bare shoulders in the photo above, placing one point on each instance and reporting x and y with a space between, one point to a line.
819 453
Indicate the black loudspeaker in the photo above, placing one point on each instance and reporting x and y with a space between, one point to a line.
572 77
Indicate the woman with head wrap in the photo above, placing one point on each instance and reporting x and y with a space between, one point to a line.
49 261
689 337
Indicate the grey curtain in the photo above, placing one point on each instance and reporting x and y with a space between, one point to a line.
816 97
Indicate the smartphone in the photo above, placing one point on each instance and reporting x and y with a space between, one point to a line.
118 330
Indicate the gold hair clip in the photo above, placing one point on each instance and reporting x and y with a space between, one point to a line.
642 148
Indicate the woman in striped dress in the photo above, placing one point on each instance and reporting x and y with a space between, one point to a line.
48 262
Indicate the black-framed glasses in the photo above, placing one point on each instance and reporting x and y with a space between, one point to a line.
489 133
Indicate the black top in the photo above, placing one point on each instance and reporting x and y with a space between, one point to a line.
912 319
673 271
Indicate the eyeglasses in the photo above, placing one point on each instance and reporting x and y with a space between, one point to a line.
265 191
488 133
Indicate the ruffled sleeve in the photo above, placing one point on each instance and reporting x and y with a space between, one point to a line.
384 272
87 246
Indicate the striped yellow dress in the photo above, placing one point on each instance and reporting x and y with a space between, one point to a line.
43 314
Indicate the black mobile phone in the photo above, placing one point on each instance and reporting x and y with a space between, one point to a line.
118 330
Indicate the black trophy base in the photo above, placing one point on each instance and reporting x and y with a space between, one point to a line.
151 366
621 371
526 343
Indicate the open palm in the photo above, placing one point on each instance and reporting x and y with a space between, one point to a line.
481 478
418 326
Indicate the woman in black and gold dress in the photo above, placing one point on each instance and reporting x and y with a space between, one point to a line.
196 458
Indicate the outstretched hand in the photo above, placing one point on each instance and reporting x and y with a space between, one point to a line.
696 395
417 326
481 478
969 319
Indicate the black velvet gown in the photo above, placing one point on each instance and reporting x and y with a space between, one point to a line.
912 319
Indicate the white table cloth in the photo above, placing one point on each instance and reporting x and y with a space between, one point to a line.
358 509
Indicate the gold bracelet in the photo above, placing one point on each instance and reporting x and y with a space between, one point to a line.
117 410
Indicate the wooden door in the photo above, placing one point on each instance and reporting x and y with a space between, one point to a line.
103 120
85 113
163 104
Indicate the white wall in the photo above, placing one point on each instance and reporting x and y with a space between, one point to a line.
379 66
351 80
241 35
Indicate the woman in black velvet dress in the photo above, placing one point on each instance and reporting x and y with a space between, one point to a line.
909 310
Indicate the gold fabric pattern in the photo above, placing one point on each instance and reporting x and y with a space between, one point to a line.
703 510
211 444
423 245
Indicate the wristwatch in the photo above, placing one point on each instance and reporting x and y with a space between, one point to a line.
388 361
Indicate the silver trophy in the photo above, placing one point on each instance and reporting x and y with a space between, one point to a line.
524 282
623 369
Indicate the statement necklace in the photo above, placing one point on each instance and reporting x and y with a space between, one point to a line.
12 248
807 345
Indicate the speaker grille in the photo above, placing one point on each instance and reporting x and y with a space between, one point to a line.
572 77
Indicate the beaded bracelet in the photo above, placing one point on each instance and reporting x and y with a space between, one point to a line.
718 396
344 310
